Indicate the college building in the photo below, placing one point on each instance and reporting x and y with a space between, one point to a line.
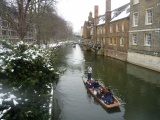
129 33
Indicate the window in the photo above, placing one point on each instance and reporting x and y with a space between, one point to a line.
135 2
103 30
111 29
149 17
4 23
13 33
147 39
121 41
115 41
117 28
135 19
134 39
110 41
98 30
122 27
4 32
92 31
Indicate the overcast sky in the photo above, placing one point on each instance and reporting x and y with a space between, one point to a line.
77 11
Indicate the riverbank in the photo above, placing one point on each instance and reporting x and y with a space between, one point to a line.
142 60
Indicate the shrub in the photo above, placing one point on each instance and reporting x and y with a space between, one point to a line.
27 63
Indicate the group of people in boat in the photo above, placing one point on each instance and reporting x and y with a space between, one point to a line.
102 93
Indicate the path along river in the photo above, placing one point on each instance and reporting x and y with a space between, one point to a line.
137 88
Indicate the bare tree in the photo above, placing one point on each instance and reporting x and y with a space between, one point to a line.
21 14
15 13
49 24
42 17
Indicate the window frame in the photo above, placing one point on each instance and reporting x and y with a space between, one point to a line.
135 19
117 27
123 27
103 30
121 41
98 31
111 28
135 2
110 41
115 41
134 39
147 39
149 17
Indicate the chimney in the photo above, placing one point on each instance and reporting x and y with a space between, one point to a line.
108 10
95 14
108 5
95 11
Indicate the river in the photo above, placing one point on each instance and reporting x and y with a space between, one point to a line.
137 88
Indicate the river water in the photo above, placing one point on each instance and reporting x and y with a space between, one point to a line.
137 88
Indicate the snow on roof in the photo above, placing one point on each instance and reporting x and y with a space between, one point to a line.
101 20
122 15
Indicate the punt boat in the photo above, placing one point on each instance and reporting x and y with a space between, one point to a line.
116 103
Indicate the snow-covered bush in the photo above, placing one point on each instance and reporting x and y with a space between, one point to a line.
22 62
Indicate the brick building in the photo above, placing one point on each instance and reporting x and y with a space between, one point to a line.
100 35
117 27
113 43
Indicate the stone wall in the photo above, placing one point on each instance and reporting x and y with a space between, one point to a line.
147 61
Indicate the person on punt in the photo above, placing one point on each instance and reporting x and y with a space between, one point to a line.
90 83
96 84
108 97
100 92
89 70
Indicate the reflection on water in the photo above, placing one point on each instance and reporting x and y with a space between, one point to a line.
77 55
137 87
144 74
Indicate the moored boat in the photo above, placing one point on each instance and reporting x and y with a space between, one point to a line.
115 102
